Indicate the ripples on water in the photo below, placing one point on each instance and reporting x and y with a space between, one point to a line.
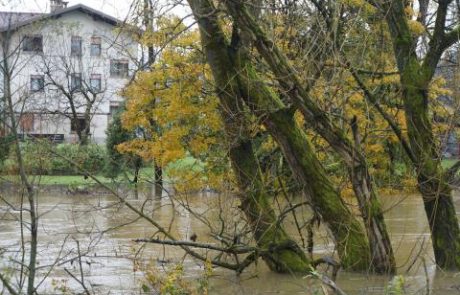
95 221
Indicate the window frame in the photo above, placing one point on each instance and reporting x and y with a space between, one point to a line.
78 119
116 70
73 84
29 46
34 78
73 46
27 122
96 44
95 77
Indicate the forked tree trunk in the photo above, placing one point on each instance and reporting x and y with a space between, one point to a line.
351 241
282 254
381 253
432 180
415 78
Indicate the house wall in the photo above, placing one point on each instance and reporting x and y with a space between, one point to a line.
50 107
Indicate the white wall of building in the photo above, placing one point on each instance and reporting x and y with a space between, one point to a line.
49 104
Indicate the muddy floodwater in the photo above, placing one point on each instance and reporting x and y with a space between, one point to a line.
105 231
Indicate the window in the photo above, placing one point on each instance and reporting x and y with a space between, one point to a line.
119 68
37 83
26 122
77 124
96 46
75 82
33 43
95 82
114 109
75 46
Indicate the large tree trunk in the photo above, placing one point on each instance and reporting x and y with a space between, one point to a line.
351 242
352 245
415 78
432 180
262 98
284 254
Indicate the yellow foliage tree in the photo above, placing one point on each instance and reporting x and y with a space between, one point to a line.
172 107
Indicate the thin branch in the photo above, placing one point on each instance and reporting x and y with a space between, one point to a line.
374 101
237 249
7 285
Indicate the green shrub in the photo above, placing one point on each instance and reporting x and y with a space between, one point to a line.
44 158
5 144
91 158
37 156
117 162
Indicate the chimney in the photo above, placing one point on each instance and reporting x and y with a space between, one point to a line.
57 5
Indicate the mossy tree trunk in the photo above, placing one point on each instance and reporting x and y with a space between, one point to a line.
381 251
284 255
416 74
432 179
351 241
349 236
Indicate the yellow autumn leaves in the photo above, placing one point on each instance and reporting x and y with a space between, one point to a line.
172 104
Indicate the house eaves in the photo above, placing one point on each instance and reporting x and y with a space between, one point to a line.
30 18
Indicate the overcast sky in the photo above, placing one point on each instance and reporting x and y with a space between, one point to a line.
116 8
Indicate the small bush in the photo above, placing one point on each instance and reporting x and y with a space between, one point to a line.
44 158
91 158
5 144
37 157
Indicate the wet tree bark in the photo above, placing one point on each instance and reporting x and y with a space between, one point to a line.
380 246
285 255
432 180
351 242
415 77
350 238
352 245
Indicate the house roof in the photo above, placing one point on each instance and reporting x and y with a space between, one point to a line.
10 18
15 20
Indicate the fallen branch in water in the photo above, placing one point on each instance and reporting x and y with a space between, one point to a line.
237 249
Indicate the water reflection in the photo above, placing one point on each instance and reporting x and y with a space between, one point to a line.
106 229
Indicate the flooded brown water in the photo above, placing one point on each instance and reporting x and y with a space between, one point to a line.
106 230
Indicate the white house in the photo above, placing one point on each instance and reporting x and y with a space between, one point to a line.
66 70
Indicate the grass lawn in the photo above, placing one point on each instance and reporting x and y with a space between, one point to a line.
56 179
146 173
